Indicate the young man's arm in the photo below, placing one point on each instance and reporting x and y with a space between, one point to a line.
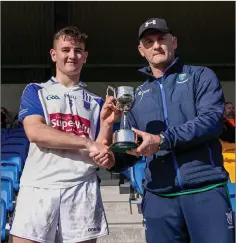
41 134
105 134
31 114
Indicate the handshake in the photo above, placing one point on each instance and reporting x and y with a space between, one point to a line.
101 154
104 157
124 140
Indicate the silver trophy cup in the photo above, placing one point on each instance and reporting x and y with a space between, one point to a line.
123 139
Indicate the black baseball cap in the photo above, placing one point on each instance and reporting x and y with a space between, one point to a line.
154 24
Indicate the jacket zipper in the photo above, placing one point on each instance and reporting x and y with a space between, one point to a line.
210 156
179 179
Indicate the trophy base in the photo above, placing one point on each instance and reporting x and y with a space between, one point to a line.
122 147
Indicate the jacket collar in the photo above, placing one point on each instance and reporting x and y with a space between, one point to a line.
173 67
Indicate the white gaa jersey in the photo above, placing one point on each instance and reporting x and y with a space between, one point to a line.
73 110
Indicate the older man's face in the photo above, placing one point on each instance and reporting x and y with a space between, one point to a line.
229 111
158 48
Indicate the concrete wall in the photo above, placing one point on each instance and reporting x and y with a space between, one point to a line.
11 93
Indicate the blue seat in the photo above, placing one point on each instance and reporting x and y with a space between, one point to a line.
4 130
231 188
15 147
17 131
136 175
127 173
3 219
7 192
3 137
13 157
3 134
11 171
17 139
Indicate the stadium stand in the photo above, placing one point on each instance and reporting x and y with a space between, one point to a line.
14 150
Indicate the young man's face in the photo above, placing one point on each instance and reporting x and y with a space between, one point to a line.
158 48
69 55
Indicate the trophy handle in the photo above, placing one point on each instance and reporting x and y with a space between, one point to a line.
112 89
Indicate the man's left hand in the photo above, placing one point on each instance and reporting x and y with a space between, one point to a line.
148 147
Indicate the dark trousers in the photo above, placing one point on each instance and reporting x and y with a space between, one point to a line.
204 217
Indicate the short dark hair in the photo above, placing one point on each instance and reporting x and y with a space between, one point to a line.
71 32
3 108
226 103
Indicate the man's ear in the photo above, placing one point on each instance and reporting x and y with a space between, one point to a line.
53 55
140 48
85 57
175 42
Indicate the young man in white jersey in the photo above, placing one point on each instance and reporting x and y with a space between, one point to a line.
59 198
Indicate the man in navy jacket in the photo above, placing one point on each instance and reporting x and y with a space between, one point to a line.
178 113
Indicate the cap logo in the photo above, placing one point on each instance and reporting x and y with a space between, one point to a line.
152 22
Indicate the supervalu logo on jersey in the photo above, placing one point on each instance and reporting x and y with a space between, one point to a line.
70 123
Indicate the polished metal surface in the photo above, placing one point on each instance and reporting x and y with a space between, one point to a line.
124 97
124 135
123 138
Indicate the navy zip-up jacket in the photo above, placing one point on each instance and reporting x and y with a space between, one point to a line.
186 105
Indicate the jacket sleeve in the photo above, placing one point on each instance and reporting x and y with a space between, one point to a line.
122 160
208 123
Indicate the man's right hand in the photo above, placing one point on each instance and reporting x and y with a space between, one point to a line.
149 146
101 154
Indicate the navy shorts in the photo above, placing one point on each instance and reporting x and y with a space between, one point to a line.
204 217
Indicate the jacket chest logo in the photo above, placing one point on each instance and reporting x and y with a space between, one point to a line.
182 78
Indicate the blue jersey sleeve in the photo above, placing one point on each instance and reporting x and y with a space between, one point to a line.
30 103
